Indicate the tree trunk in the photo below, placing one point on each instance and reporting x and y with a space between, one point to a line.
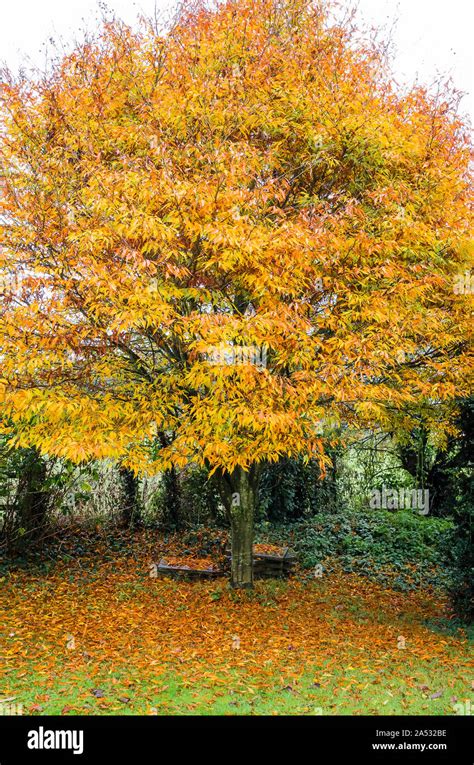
239 493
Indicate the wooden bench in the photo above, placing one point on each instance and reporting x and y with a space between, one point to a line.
270 565
265 566
186 572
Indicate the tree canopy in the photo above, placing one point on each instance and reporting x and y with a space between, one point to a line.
249 177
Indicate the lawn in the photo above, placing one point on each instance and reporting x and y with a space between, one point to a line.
95 634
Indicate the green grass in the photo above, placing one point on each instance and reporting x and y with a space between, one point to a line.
383 691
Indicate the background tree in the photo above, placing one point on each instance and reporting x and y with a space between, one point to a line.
248 178
131 505
446 472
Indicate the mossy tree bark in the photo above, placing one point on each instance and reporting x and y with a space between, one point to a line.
239 494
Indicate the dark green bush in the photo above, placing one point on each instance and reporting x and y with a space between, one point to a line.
461 588
190 498
290 490
402 549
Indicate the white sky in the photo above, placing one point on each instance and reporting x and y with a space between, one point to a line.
430 36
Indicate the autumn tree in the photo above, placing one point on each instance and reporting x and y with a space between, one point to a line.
234 231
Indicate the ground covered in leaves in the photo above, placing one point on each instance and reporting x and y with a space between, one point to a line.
91 631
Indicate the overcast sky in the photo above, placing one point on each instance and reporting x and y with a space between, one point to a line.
431 36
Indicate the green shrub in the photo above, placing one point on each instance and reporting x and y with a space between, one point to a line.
402 549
